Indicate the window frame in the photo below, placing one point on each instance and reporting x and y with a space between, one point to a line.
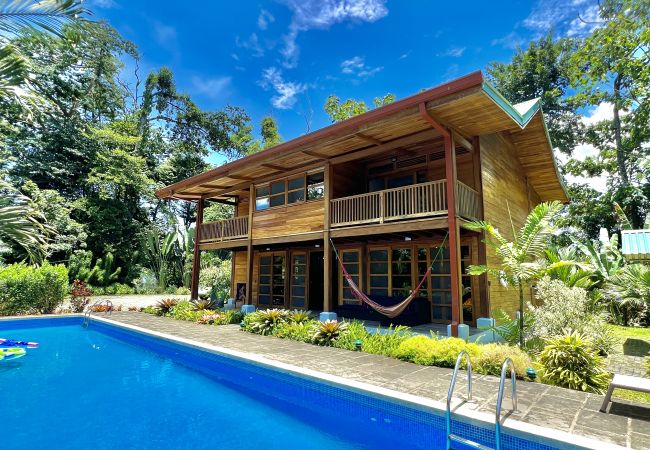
343 284
285 180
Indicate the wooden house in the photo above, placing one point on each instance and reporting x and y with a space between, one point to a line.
391 191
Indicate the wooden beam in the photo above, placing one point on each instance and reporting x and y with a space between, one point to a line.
484 306
196 259
235 243
239 177
370 139
328 304
314 154
460 139
297 237
249 247
214 186
390 227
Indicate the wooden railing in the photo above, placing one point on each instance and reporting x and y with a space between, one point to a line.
418 200
409 202
467 201
224 230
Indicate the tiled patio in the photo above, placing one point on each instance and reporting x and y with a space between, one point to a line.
575 412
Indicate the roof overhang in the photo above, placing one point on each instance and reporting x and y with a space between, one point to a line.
468 105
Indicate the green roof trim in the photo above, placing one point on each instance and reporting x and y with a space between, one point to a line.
635 244
521 118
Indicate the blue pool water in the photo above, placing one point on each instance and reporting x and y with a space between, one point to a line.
109 388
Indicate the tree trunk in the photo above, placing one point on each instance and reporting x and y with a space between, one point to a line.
620 156
521 316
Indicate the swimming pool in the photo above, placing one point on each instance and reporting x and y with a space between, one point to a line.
111 386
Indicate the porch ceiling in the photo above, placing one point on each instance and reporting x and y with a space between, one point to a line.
468 105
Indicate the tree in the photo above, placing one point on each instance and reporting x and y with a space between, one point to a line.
543 70
522 258
340 111
270 134
613 65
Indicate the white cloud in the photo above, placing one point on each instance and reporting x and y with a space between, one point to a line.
286 91
165 35
405 55
357 66
212 87
264 19
454 52
604 111
567 18
252 44
322 14
511 40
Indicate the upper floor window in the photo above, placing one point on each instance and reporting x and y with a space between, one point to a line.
290 190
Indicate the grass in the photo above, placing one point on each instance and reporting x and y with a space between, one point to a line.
635 334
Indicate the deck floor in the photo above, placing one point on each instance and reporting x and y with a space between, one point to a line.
576 412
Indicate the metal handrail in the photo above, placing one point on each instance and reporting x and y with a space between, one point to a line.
504 368
109 310
452 385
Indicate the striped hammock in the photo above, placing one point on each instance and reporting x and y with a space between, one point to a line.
388 311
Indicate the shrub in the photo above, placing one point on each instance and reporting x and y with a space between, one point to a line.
326 333
491 357
299 316
200 304
166 305
264 321
567 308
27 290
151 310
230 317
216 277
386 343
647 364
571 361
434 352
79 296
296 331
356 331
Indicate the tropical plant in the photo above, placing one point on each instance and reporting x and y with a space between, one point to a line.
629 292
604 260
203 304
574 276
571 361
435 352
79 296
264 321
387 342
32 290
295 331
161 252
166 305
521 259
18 222
299 316
508 328
491 357
103 273
327 332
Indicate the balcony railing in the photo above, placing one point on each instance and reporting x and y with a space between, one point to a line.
224 230
409 202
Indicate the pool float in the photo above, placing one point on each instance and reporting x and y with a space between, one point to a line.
7 354
19 344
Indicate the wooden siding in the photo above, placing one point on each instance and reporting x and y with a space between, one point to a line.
240 270
289 220
504 187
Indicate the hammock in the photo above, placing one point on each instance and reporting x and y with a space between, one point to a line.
388 311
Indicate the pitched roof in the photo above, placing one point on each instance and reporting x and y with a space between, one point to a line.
468 104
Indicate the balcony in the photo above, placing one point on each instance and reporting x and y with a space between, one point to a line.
403 203
224 230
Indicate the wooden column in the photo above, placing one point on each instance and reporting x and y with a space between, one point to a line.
484 299
454 235
327 248
249 247
196 260
233 288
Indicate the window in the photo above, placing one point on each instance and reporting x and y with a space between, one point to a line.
352 262
298 280
378 272
468 303
289 191
315 185
440 284
296 190
271 280
401 272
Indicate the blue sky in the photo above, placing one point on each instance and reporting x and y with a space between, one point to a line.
285 57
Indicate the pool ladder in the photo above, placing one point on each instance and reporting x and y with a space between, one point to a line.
88 312
507 364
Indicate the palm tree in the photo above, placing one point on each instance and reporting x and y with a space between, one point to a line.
18 224
522 260
629 290
17 16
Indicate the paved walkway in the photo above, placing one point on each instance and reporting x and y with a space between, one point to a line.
571 411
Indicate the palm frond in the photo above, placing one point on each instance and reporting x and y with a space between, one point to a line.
533 236
621 218
45 15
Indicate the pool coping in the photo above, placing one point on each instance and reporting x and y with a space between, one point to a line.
531 432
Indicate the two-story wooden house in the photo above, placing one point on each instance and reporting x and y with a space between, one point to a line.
386 189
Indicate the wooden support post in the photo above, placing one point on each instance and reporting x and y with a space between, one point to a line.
484 299
249 247
196 260
454 232
327 248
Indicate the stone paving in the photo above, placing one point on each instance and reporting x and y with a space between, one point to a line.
626 424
